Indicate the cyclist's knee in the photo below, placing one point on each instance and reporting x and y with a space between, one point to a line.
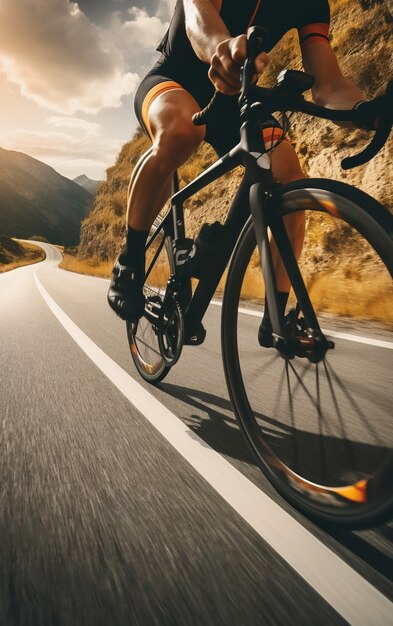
177 140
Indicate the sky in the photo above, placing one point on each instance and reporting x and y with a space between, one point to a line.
68 75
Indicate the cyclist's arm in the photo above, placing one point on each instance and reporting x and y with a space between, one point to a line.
331 89
204 27
213 44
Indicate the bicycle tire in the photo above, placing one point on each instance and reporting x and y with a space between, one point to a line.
289 447
142 336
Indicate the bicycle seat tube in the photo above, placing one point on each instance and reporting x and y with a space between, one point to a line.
232 227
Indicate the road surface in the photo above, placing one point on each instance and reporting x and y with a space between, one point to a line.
126 504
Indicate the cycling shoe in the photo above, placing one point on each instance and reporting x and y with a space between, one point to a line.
125 294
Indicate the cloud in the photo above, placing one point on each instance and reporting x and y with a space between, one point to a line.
60 59
138 34
142 30
74 123
66 64
65 152
165 9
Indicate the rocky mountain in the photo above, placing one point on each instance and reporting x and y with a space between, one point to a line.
87 183
37 200
361 37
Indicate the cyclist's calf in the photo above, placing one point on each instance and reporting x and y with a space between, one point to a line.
286 167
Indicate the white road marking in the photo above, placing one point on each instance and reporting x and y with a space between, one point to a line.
330 333
356 600
379 343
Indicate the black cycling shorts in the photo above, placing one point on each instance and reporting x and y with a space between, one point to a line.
222 132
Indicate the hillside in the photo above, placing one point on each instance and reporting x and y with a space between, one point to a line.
361 35
87 183
14 253
37 200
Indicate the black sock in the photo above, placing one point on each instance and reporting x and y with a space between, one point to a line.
282 297
134 250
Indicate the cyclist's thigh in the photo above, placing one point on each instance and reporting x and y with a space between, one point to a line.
164 107
171 112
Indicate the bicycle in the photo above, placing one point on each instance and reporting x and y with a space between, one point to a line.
327 452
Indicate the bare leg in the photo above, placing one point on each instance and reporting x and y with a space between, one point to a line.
174 139
135 172
286 168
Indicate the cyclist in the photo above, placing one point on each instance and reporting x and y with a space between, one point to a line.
203 50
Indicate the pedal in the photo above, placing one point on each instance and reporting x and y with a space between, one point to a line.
194 338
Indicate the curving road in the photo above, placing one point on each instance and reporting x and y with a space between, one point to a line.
126 504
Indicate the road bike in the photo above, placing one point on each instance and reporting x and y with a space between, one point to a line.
315 407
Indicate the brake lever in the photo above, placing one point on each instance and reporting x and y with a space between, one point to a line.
376 144
380 137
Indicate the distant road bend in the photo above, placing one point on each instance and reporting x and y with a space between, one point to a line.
126 504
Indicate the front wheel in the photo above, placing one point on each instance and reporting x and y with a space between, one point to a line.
322 433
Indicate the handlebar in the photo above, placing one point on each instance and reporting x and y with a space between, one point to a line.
259 102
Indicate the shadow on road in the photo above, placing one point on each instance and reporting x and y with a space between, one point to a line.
363 549
218 428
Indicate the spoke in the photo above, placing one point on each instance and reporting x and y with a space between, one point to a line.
301 383
148 346
292 414
354 404
345 438
321 421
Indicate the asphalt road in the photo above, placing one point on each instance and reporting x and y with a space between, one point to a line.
126 504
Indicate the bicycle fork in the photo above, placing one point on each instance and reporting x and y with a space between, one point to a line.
314 345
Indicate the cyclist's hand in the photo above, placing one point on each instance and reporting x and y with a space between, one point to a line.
370 111
226 62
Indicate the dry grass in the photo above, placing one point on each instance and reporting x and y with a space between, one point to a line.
369 299
91 267
366 300
33 254
363 298
196 164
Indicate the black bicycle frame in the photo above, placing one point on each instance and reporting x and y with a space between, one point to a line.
251 198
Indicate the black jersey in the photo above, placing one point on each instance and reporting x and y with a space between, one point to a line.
179 61
277 16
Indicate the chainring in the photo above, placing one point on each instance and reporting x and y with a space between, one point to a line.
170 330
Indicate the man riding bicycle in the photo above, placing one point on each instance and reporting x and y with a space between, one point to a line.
202 51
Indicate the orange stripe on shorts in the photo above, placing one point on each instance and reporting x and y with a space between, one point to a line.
151 95
273 134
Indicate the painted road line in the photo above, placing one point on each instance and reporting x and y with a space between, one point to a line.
355 599
330 333
337 335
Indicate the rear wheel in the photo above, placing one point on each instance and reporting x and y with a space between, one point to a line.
322 433
143 335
